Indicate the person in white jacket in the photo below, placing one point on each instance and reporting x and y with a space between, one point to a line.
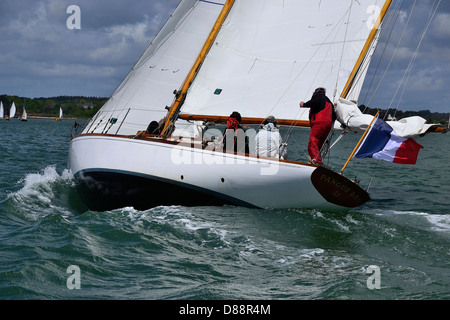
268 140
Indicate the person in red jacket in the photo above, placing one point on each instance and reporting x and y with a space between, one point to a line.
321 117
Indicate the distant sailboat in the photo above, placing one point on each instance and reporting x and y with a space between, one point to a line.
24 115
60 115
2 112
12 112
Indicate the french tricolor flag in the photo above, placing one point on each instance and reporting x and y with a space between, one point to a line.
383 143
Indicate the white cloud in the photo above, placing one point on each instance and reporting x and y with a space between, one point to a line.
427 80
441 25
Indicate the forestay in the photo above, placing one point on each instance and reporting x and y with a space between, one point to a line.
271 54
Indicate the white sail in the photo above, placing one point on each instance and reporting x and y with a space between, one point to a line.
149 87
270 55
12 111
24 115
2 112
60 114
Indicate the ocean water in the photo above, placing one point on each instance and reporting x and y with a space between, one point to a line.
397 246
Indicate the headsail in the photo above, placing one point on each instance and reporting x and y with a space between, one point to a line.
148 88
311 44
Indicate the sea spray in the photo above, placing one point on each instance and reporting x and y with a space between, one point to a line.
42 193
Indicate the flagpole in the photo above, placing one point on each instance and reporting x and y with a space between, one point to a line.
360 140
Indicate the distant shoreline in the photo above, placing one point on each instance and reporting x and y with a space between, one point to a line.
53 118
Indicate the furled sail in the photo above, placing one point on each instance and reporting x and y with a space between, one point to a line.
148 88
269 55
351 117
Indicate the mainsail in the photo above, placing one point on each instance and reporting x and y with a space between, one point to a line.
2 112
270 55
12 111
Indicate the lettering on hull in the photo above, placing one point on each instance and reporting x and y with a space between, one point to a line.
337 189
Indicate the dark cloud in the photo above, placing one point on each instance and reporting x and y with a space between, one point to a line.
45 58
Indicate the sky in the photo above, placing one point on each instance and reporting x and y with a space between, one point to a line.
41 57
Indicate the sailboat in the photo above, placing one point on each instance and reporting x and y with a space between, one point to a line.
211 58
12 112
24 115
2 111
60 115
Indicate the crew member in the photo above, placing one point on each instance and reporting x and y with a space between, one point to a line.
268 139
235 139
321 117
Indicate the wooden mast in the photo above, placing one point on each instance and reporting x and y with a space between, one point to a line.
364 51
181 95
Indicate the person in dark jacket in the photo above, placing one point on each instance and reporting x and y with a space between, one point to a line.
235 139
321 118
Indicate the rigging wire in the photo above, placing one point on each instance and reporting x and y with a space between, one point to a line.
391 21
392 17
407 72
394 54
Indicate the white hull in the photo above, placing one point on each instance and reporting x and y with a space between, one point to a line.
100 162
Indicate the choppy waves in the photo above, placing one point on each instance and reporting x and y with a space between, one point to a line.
221 252
42 194
212 253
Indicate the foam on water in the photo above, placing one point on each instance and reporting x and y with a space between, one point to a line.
180 219
438 222
40 193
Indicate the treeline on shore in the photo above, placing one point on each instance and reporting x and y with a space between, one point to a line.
73 107
80 107
431 117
